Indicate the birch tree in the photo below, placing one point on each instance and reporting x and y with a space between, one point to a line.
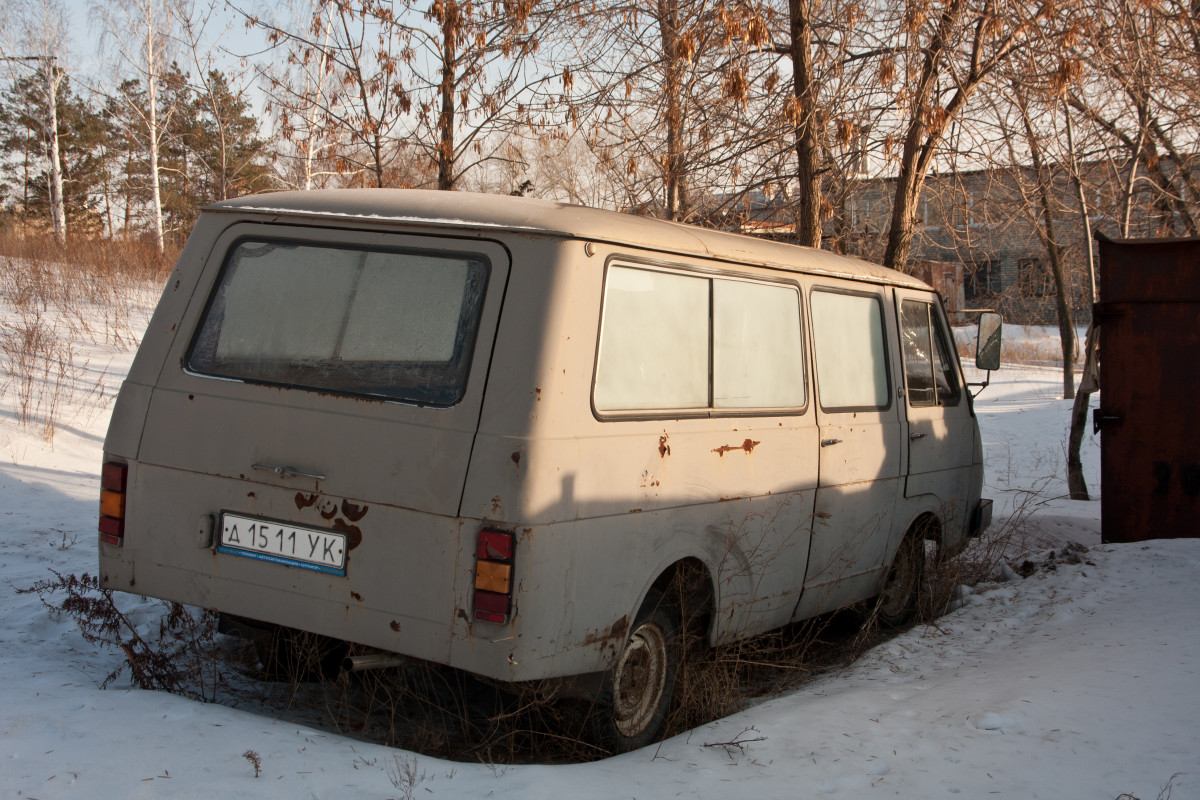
35 35
139 35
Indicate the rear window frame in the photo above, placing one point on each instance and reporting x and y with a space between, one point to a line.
466 336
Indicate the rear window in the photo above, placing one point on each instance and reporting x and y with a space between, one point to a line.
394 324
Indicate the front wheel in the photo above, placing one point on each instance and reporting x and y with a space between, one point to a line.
641 683
898 600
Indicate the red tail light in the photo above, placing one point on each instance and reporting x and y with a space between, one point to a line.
113 477
493 576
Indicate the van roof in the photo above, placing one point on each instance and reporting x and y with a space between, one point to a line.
464 210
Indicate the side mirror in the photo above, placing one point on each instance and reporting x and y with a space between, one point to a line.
987 343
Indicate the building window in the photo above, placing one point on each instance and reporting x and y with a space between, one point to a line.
981 278
1033 279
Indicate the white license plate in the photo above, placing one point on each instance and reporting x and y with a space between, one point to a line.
280 543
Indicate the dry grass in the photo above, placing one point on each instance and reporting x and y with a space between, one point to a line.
1045 351
59 298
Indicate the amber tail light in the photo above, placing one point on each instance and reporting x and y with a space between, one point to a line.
493 576
113 478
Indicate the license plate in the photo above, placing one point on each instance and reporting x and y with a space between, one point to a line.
280 543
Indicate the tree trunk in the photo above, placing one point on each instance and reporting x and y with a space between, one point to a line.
1076 484
1045 231
806 114
152 125
445 154
668 21
58 214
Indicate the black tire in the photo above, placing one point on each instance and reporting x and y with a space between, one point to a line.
898 598
640 686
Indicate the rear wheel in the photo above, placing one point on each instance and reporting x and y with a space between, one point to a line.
642 682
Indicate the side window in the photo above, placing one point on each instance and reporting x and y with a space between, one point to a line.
851 351
918 360
653 342
944 373
691 342
928 364
758 354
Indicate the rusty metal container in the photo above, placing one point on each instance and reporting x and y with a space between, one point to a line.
1149 322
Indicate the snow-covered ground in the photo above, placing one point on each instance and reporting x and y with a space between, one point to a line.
1080 681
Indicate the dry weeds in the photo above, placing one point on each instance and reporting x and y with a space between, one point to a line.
57 298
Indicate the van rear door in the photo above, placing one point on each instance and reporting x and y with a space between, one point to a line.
315 363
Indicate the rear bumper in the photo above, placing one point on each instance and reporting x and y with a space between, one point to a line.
981 518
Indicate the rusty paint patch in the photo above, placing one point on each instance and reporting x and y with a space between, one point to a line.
353 534
395 626
664 449
635 511
251 495
461 614
616 631
356 595
516 457
747 445
353 512
496 504
538 391
191 397
303 500
328 510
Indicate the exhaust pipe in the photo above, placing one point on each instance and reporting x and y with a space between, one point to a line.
361 663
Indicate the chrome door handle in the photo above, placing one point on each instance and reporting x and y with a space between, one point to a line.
827 442
288 472
917 435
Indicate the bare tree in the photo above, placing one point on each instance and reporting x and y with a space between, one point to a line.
299 88
660 93
469 64
946 50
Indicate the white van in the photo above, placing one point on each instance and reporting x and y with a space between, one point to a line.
529 440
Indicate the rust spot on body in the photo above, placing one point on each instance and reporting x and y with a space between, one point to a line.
664 449
496 504
395 626
353 512
747 445
303 500
356 595
539 394
251 495
328 510
353 533
616 631
516 457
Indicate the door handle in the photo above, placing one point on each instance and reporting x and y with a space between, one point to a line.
288 472
916 436
828 442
